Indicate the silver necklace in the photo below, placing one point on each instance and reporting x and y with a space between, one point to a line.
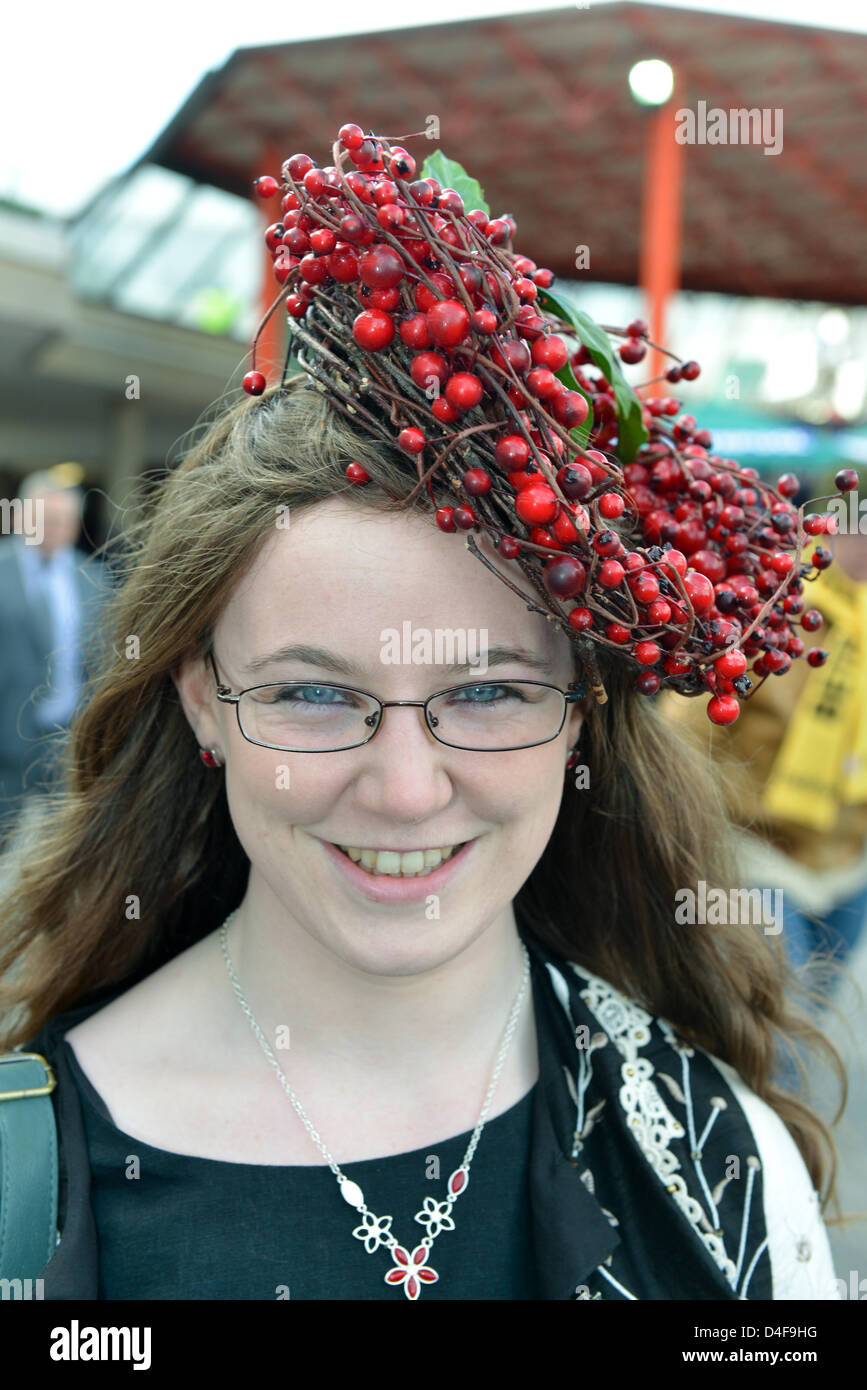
410 1269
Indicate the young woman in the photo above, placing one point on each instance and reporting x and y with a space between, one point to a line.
382 996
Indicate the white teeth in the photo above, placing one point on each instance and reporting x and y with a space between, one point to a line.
414 863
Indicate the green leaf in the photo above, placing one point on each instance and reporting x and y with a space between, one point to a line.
631 432
450 174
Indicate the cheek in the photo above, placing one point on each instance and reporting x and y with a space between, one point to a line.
268 790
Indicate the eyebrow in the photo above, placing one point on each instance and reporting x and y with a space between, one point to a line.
338 665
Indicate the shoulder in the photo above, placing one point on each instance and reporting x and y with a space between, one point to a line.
724 1155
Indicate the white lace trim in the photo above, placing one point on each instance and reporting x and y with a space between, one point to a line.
655 1128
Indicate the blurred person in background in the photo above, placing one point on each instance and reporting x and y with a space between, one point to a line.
798 758
49 611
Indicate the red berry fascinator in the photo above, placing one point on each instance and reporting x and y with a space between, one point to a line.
409 306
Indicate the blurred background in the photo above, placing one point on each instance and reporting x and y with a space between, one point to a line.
133 275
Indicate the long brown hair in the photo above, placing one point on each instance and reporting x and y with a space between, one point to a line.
133 812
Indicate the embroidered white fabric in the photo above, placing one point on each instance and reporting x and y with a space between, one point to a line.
801 1262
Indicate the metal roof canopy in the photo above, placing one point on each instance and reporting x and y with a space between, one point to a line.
537 107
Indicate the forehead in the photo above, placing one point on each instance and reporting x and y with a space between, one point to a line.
343 572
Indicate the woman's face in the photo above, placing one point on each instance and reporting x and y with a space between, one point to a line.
335 581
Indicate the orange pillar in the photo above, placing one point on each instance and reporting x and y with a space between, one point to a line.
661 224
272 343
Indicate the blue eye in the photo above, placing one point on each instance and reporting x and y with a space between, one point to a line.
489 694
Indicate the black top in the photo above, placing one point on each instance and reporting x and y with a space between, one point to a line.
172 1226
615 1170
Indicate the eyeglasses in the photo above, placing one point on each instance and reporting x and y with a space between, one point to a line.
309 717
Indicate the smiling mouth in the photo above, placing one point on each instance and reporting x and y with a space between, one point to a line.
416 863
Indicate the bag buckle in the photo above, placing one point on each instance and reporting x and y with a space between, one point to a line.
29 1090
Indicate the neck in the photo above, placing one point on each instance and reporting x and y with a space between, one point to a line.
404 1029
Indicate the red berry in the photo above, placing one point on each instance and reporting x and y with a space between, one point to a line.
570 409
817 656
356 474
723 709
373 329
788 485
351 227
563 529
550 352
675 666
540 535
297 166
658 611
381 267
445 518
464 390
564 577
350 136
444 410
343 265
647 683
647 653
484 322
426 365
254 383
637 329
266 186
413 331
323 241
607 543
511 453
508 548
477 482
699 590
465 518
846 480
542 383
580 619
412 440
611 505
447 323
618 632
644 587
812 620
611 574
632 350
574 480
536 504
731 664
690 370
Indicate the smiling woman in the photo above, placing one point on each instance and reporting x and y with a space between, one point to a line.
461 960
382 896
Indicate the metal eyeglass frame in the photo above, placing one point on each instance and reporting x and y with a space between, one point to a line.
571 695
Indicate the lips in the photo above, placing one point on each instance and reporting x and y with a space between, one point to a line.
397 888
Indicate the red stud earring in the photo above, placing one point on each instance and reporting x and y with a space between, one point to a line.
210 757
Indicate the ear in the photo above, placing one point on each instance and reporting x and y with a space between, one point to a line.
194 681
574 723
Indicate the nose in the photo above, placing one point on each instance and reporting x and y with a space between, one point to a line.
405 772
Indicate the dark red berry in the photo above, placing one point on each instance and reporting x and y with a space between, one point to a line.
564 577
477 482
254 383
508 548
